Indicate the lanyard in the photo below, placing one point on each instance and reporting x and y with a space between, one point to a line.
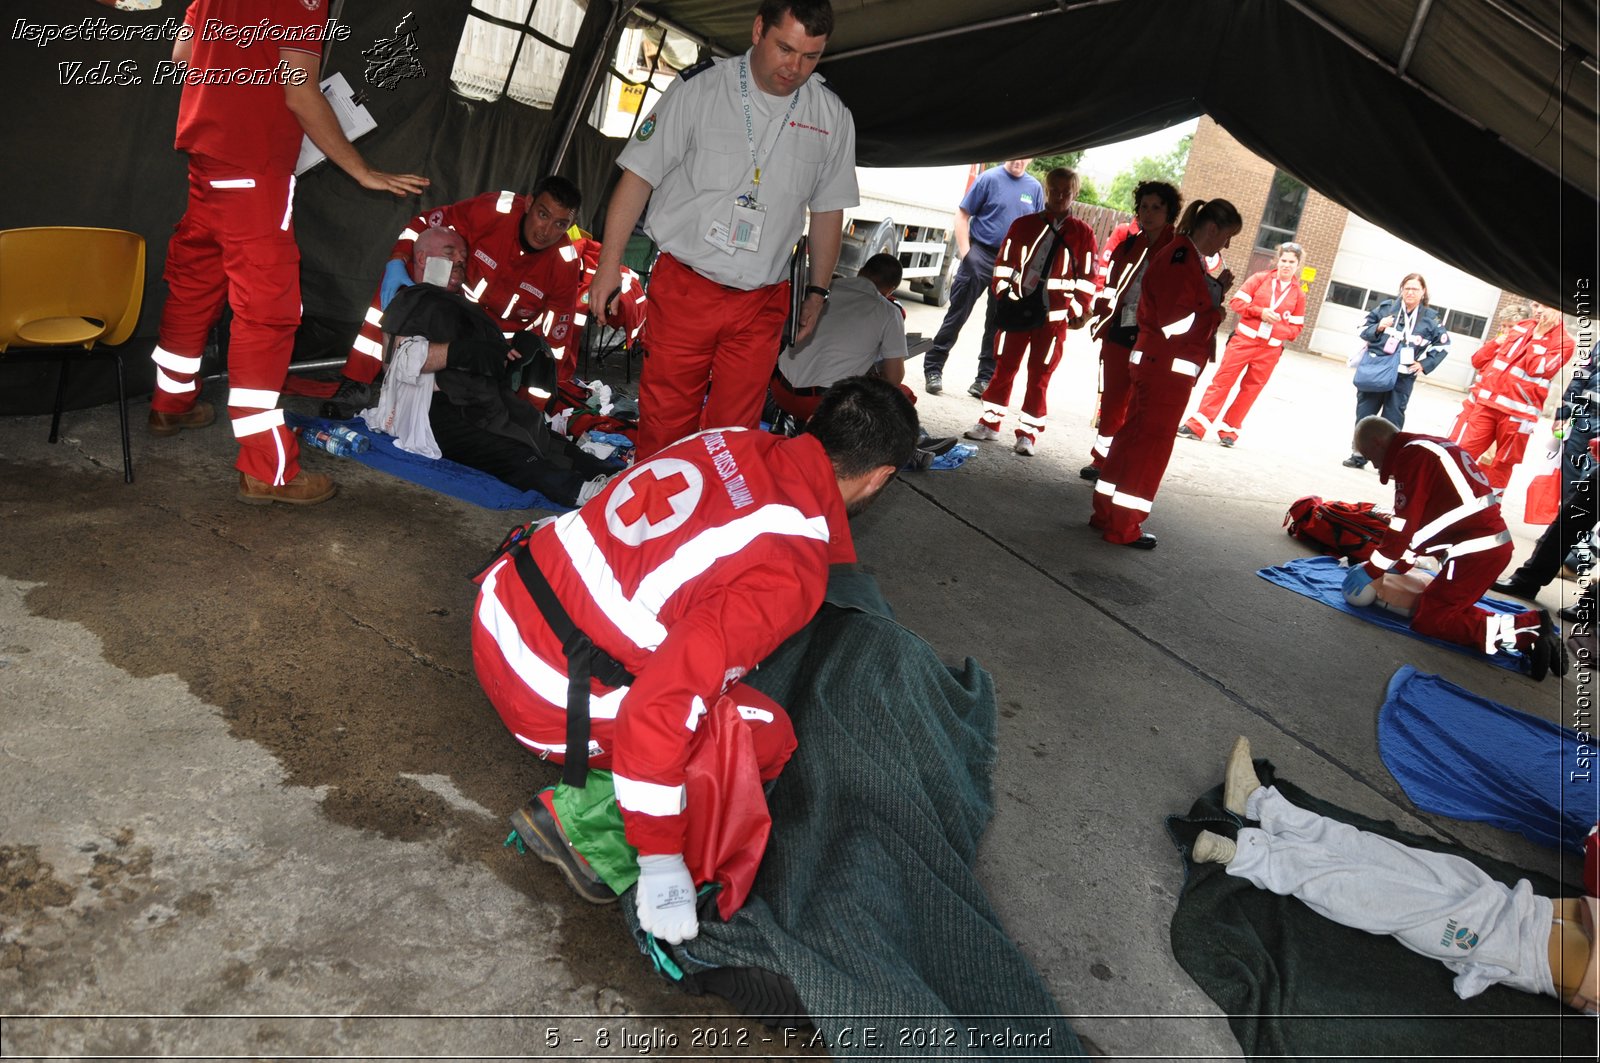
749 126
1277 299
1407 323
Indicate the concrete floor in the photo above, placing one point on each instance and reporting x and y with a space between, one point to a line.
252 800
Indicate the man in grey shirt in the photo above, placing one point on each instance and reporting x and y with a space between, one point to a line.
862 331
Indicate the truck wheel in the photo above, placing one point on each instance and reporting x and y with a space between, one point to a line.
938 291
885 239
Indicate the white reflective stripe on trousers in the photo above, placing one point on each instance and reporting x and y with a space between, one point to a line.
649 798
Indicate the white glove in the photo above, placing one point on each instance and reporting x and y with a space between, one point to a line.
666 898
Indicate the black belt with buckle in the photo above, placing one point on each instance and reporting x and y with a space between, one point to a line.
804 393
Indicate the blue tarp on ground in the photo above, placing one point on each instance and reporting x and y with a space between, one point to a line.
436 474
1464 756
1322 577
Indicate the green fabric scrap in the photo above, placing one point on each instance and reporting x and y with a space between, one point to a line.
593 823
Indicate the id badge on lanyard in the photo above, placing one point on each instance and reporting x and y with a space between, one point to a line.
745 231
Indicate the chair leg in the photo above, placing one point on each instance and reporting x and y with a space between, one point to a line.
122 420
61 398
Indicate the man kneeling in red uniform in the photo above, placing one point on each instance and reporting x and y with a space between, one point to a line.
670 585
1444 506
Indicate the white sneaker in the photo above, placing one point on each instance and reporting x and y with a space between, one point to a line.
981 431
592 488
1024 445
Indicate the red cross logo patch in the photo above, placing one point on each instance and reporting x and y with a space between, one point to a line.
653 500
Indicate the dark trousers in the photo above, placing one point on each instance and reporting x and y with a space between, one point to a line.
1391 404
1577 517
974 278
518 464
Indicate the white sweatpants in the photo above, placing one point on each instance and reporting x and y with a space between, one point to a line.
1432 903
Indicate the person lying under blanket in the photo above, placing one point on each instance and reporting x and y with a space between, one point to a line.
449 390
1435 904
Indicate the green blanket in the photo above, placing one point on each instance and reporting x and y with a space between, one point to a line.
867 899
1297 985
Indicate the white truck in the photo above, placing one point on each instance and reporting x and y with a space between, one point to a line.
908 211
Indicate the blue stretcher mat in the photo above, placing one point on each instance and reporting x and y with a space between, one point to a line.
436 474
1322 578
1463 756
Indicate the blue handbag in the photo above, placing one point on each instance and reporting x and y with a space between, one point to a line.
1377 371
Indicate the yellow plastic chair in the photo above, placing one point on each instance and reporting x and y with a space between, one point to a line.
69 290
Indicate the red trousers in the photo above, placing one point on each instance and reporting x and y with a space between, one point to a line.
1486 425
1252 359
709 355
235 243
1116 387
1448 609
791 402
1132 472
1044 347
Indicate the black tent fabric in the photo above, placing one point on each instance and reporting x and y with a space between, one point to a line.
1296 985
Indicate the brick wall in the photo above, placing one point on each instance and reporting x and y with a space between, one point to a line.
1219 166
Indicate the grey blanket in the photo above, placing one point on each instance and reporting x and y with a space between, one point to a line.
867 898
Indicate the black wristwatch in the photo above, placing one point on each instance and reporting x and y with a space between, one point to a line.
817 289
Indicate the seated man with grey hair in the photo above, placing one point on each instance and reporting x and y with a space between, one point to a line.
450 388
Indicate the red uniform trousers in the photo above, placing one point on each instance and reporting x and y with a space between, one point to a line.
1044 347
799 404
235 242
1132 472
1116 387
709 354
1487 424
1448 609
1254 360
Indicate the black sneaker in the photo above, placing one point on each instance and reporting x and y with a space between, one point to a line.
1089 472
542 834
352 397
1539 653
933 382
976 388
1355 461
1185 432
1516 588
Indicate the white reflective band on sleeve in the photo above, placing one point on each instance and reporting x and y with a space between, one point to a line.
506 201
1499 363
1057 284
1127 501
288 207
1003 271
569 253
171 386
1295 319
1381 561
240 182
1397 523
374 316
1085 285
545 681
408 233
697 709
256 423
475 292
652 799
1181 325
713 544
370 348
1183 368
750 712
637 624
1274 342
1485 393
252 398
175 362
1474 546
507 311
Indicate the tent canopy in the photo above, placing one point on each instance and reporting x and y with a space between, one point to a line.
1467 127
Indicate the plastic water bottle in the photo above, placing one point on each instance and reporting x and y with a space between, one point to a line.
337 440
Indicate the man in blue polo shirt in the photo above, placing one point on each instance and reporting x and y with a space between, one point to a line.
995 200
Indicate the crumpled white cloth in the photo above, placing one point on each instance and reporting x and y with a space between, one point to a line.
402 409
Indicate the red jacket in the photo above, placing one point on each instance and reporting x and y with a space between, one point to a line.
1443 505
1068 277
689 569
1516 368
630 299
1120 235
1119 269
518 289
1178 307
1263 291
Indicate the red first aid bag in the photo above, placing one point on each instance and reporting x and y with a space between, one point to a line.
1339 529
